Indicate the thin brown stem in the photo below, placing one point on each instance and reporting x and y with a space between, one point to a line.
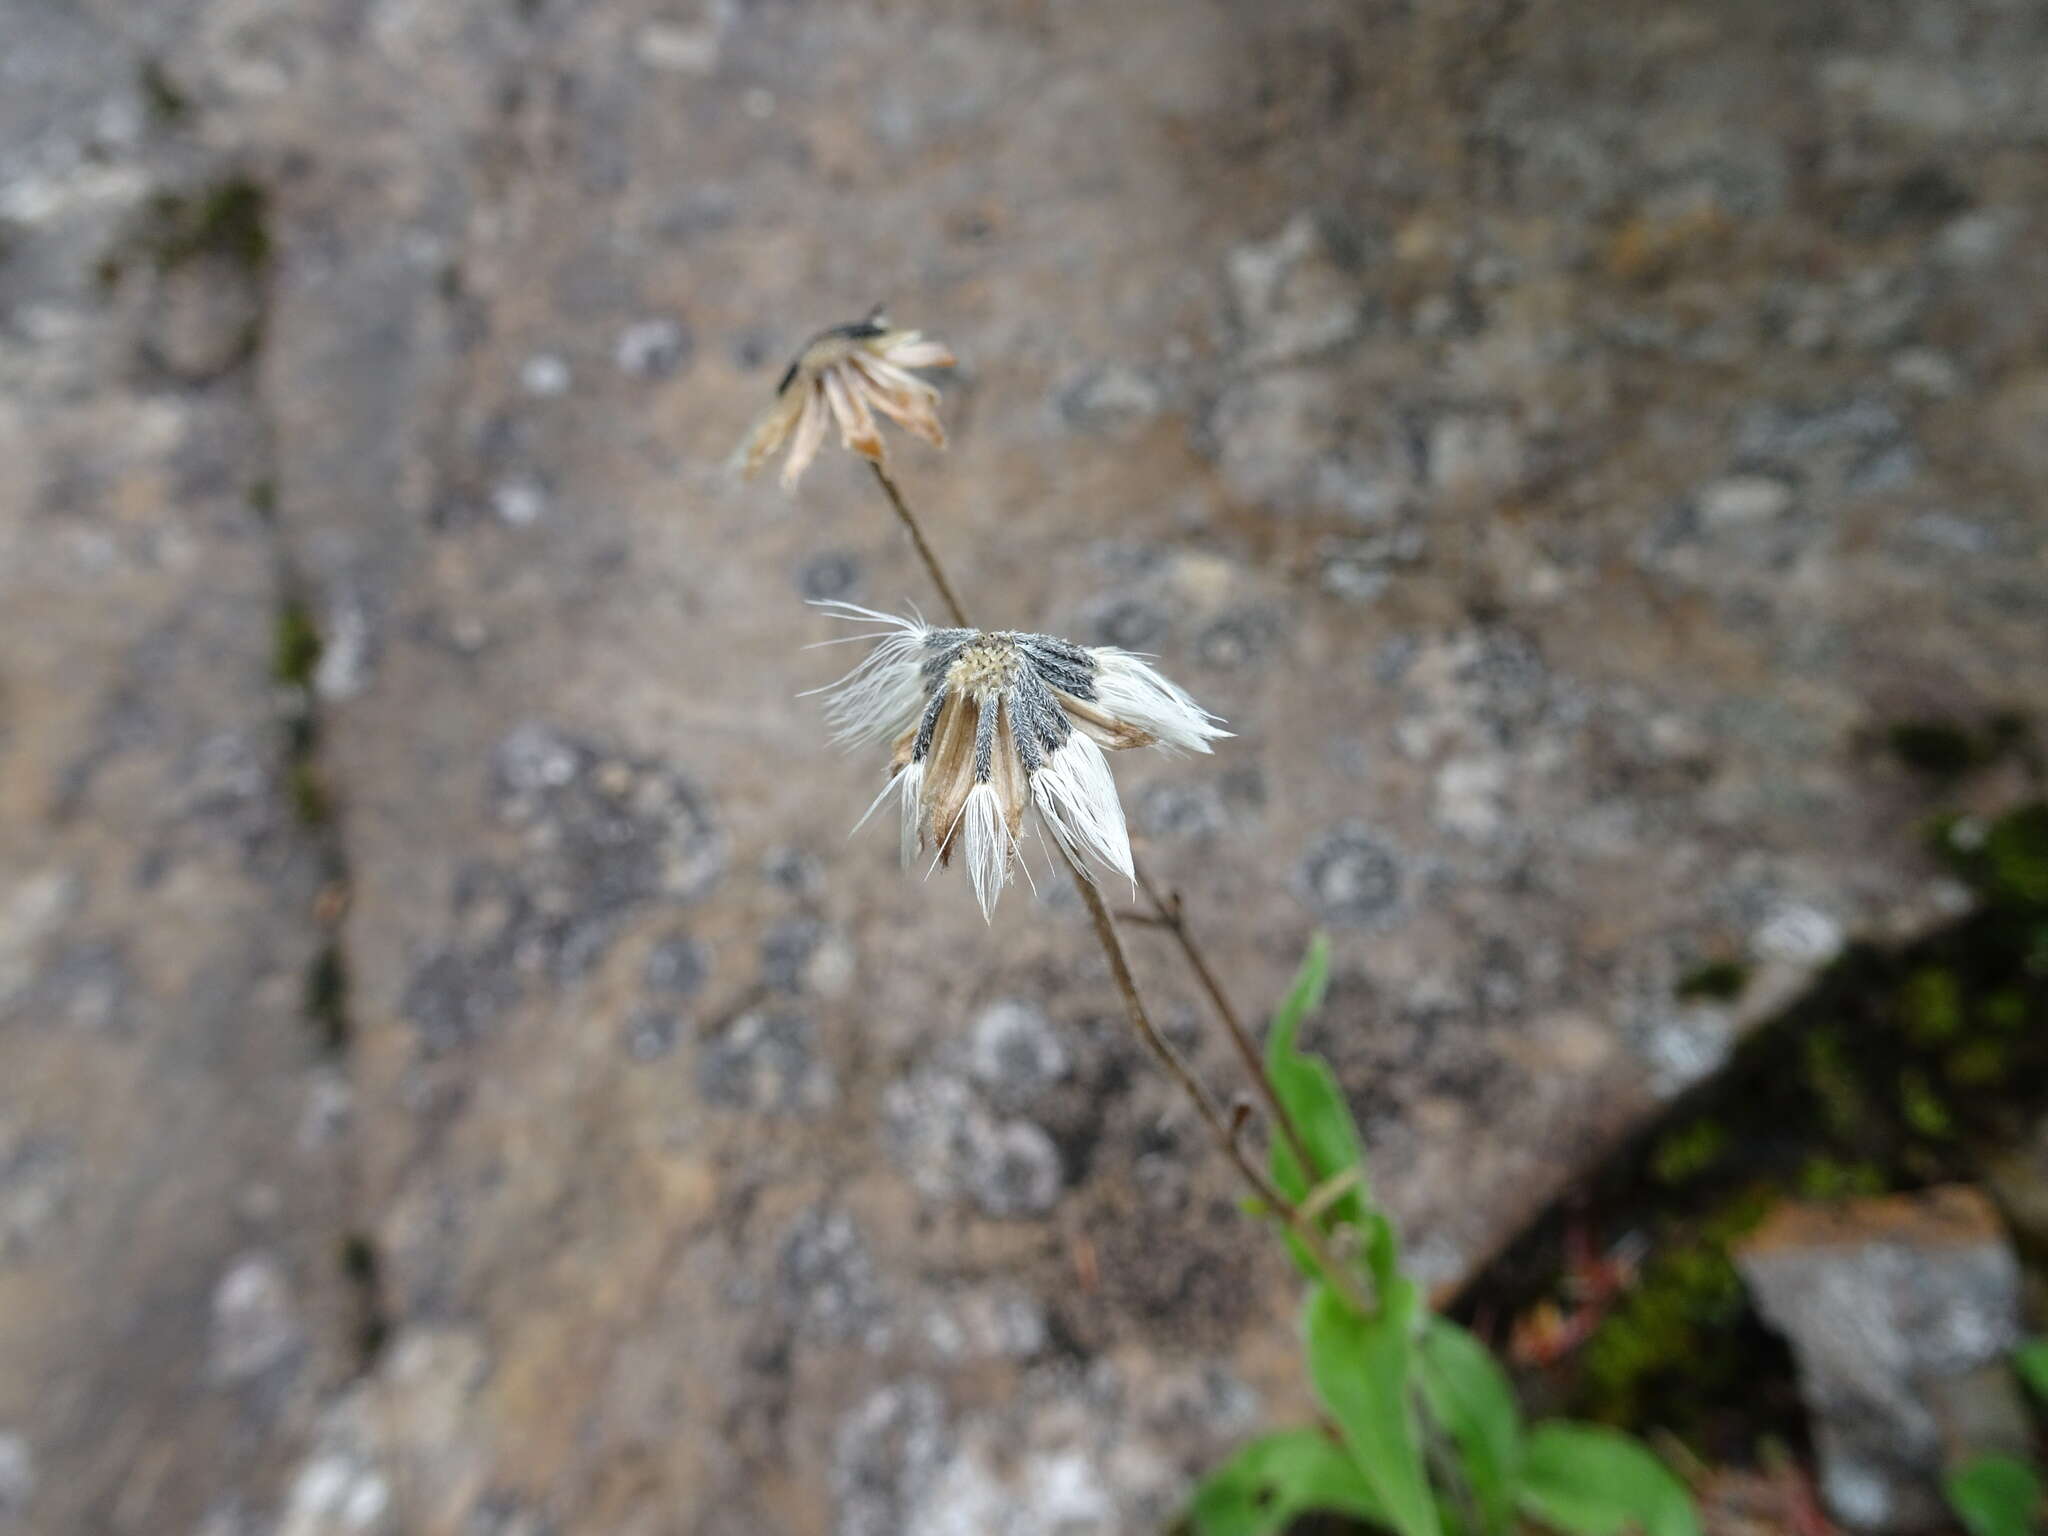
924 550
1171 917
1222 1126
1305 1231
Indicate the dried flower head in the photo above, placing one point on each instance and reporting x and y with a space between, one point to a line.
986 724
846 374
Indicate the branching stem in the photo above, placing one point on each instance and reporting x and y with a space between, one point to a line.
1223 1127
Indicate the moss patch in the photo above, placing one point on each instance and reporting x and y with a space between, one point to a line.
162 97
294 646
1899 1068
229 220
1719 981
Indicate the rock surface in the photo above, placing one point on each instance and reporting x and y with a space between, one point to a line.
1902 1314
1560 442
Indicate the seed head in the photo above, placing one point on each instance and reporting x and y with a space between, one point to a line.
845 375
984 725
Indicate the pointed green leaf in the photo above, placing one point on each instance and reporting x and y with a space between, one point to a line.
1268 1484
1308 1090
2031 1361
1360 1367
1592 1481
1995 1496
1469 1395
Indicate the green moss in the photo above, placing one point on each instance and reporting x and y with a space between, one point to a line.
1931 1006
2005 1011
1831 1178
1935 747
1663 1328
358 1258
308 795
1922 1108
1977 1064
162 97
1718 981
362 1270
327 998
295 646
262 497
1839 1096
1897 1070
1689 1151
228 220
2016 857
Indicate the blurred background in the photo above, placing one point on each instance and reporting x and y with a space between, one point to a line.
456 1074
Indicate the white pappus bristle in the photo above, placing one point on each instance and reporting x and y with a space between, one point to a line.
1137 695
1076 798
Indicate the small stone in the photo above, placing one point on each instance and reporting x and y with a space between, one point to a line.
544 376
255 1323
1743 501
1894 1309
652 349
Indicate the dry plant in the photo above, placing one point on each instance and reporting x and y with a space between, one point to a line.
986 727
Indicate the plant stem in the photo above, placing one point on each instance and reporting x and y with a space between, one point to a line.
1306 1232
924 550
1172 917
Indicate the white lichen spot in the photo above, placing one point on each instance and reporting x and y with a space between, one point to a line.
545 376
1801 934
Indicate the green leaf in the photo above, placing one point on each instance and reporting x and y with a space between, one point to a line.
1361 1367
1468 1394
1272 1481
1598 1482
1995 1496
2031 1361
1308 1090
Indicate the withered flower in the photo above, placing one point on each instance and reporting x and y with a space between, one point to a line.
845 375
986 724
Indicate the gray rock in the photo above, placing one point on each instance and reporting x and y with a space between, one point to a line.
1515 711
1900 1313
